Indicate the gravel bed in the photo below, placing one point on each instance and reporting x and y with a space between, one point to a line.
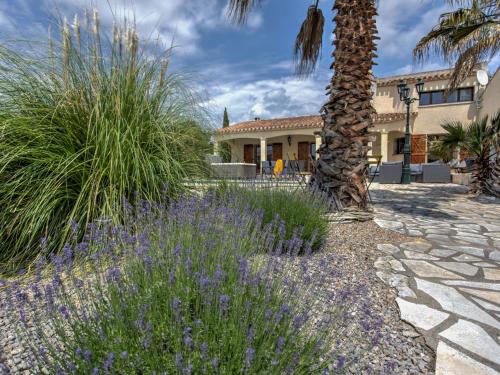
406 349
403 351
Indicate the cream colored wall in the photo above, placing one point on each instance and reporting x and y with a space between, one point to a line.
430 117
392 140
237 145
491 97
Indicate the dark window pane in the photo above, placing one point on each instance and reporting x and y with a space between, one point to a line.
399 144
466 95
453 97
313 150
437 97
269 152
425 98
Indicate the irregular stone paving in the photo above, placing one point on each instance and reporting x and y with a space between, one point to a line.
448 277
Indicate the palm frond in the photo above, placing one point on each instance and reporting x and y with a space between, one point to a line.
465 37
309 41
469 58
456 134
238 10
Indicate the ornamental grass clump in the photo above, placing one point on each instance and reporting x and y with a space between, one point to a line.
180 290
83 125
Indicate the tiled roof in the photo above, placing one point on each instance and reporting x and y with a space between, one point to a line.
301 122
436 75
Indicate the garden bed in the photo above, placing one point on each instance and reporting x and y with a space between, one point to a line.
346 261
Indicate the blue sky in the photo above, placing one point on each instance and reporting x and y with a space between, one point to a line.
247 69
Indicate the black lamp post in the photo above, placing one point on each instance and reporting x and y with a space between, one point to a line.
404 96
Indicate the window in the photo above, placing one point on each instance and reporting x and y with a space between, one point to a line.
312 150
437 97
455 96
269 152
425 98
399 144
452 97
466 95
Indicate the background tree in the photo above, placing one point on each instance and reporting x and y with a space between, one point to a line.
480 139
348 114
225 148
465 37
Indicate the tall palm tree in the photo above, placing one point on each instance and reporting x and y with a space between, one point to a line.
348 113
465 36
479 139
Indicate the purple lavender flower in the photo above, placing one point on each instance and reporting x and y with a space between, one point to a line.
108 363
224 303
215 363
64 311
250 334
204 349
87 355
280 344
178 361
250 353
124 355
188 341
341 360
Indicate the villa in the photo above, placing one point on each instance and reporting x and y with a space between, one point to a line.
294 138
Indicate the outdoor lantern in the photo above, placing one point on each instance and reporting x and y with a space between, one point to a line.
402 89
289 140
405 97
420 85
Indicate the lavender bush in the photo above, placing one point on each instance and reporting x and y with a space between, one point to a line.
184 288
301 210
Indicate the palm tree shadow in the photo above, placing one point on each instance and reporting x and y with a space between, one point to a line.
424 201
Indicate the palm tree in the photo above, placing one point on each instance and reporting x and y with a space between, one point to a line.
464 37
478 138
348 114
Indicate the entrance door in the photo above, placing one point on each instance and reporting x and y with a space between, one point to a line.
248 153
418 148
303 154
277 151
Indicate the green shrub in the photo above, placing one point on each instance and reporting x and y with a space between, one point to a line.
80 129
301 211
179 291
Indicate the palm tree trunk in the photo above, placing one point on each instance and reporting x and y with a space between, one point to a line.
493 184
348 114
481 173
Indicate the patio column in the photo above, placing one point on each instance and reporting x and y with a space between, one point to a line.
384 145
318 145
217 148
263 149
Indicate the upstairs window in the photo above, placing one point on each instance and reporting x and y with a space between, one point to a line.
439 97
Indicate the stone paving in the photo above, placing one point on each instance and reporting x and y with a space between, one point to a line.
448 277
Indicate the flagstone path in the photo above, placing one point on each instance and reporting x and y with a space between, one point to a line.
448 277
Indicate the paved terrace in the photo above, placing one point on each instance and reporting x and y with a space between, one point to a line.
448 276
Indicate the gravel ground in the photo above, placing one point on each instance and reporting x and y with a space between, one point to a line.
356 244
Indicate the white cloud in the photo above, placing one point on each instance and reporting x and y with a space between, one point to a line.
426 67
270 98
179 21
401 25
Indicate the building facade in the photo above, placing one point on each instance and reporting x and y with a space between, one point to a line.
294 138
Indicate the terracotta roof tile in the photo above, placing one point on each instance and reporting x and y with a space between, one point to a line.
301 122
